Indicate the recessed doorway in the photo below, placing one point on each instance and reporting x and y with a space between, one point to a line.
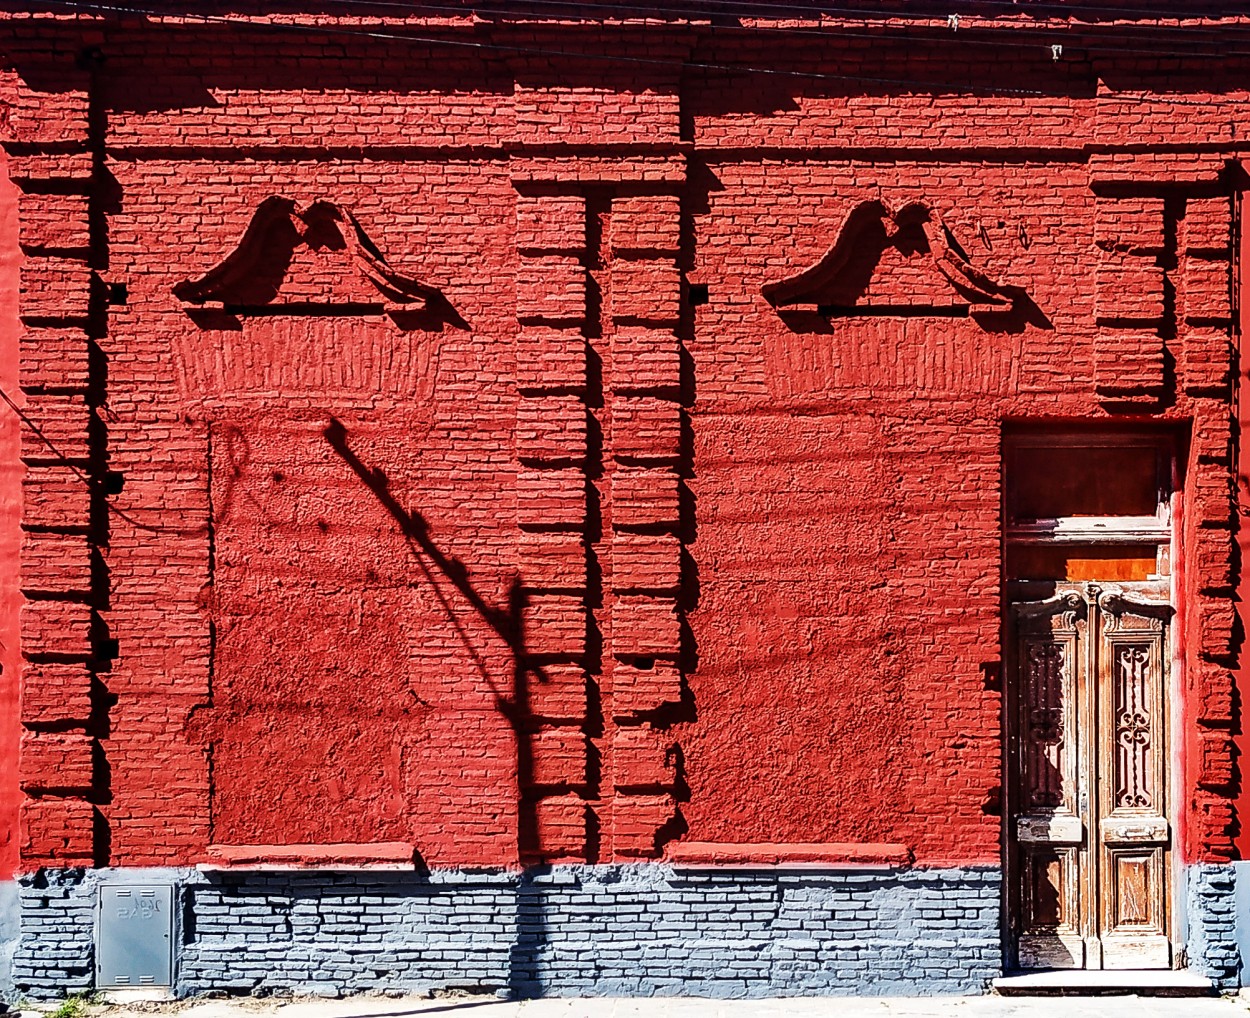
1088 552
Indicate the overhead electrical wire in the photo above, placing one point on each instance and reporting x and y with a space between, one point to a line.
712 8
408 37
1040 36
86 479
935 15
83 6
1064 36
615 58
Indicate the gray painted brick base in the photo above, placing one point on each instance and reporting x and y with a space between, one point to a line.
565 931
570 931
10 930
1214 919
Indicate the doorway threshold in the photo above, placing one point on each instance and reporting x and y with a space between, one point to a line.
1096 982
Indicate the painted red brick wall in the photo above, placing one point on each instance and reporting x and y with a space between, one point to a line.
562 541
10 538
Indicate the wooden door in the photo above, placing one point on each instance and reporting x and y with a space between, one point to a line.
1088 833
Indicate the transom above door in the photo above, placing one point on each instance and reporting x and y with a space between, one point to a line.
1088 832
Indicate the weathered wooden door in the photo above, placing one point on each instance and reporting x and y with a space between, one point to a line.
1088 832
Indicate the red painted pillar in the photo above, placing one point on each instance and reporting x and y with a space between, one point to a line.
1241 735
10 522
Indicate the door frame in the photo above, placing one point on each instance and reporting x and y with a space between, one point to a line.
1164 529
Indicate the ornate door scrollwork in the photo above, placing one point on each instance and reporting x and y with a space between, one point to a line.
1050 638
1133 828
1089 834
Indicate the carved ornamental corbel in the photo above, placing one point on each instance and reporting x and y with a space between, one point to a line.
1065 607
1113 602
844 282
249 280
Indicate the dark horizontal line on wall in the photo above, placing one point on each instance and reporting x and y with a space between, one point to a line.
77 251
60 185
569 389
891 311
1009 154
1145 324
51 459
662 529
79 596
553 321
397 153
1207 322
1073 153
298 309
1231 147
55 321
39 388
575 529
647 321
663 391
39 148
551 252
839 400
606 153
59 791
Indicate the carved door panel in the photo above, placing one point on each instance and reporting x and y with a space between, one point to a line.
1047 845
1088 832
1133 832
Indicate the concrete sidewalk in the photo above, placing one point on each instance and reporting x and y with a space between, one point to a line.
685 1007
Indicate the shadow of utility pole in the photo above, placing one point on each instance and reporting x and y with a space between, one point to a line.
508 623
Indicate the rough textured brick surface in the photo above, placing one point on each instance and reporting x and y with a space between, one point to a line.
1212 907
569 931
436 444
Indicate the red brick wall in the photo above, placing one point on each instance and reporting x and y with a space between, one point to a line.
10 537
561 563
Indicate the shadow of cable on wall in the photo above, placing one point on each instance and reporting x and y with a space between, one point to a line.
530 936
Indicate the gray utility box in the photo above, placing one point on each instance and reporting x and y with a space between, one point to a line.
135 935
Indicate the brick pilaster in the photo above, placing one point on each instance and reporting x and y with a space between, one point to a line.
646 445
53 162
552 512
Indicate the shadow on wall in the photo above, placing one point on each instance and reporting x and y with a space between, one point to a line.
508 624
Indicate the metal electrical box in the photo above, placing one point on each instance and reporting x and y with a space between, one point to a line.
135 935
